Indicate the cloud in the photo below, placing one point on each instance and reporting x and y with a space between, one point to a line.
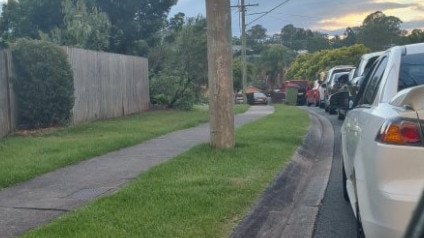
331 17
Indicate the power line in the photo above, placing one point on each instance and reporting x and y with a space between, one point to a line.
267 12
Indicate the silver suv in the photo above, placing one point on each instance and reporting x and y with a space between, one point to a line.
325 84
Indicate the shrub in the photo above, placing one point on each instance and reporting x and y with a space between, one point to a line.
43 85
173 88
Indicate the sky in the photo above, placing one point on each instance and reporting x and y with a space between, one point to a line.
326 16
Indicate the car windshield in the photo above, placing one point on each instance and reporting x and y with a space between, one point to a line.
411 71
302 84
258 95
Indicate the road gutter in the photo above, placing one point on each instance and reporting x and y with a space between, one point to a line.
290 205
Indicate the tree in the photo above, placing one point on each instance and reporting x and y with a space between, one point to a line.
174 25
237 74
181 66
273 61
135 23
416 36
255 38
301 39
308 66
316 42
256 33
26 18
379 31
7 27
84 28
350 36
293 37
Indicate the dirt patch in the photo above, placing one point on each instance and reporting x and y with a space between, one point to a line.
37 132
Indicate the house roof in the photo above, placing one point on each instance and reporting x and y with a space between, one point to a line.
251 89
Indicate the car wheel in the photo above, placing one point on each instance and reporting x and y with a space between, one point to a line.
359 228
345 194
326 109
316 103
321 105
340 116
331 111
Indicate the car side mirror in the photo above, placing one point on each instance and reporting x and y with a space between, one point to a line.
340 100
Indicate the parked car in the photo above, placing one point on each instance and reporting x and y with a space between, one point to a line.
330 73
334 85
357 76
257 98
238 98
416 226
312 95
382 140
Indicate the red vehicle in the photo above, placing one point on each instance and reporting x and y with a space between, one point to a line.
304 86
312 95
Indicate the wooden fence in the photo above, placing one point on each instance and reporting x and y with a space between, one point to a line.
106 86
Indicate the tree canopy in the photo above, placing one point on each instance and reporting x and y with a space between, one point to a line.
379 32
130 27
308 66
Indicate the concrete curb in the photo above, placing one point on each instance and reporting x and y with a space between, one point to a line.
290 205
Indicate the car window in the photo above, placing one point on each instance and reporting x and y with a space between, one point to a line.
411 71
373 82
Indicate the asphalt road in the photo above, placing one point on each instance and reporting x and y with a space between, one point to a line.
335 216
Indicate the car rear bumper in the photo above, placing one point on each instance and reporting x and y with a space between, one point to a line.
388 218
390 193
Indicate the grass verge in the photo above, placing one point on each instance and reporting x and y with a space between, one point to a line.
201 193
25 157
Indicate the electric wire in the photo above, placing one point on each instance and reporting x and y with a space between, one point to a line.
267 12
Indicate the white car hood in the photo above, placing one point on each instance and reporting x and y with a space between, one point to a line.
411 99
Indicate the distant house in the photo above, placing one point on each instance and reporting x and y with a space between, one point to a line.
251 89
236 49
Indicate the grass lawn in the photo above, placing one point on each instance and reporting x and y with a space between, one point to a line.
25 157
201 193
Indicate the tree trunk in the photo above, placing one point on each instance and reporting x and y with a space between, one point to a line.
220 73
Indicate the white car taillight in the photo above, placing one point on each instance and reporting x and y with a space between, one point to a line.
400 132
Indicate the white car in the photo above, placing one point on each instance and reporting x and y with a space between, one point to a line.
356 75
383 143
324 85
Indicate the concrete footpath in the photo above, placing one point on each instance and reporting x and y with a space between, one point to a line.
37 201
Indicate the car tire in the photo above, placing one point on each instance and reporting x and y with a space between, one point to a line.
345 194
340 116
321 105
332 111
359 228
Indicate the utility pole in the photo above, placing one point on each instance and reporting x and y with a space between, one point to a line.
220 73
243 50
242 7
